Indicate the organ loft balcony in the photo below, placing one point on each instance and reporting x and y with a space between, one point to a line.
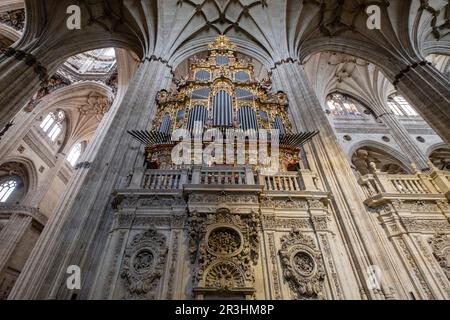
144 181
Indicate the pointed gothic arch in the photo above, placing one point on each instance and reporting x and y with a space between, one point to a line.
383 155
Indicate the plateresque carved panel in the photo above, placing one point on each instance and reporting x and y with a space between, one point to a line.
302 265
224 249
441 250
143 264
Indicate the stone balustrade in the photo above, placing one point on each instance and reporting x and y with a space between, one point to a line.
222 176
162 180
442 181
144 179
380 186
289 181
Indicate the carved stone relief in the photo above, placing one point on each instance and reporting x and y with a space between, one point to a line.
224 248
415 206
441 250
272 222
416 225
302 265
143 264
223 198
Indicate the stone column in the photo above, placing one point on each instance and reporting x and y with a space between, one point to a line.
10 236
428 91
33 200
330 162
20 77
78 230
402 137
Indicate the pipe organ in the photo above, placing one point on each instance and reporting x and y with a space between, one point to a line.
221 91
222 194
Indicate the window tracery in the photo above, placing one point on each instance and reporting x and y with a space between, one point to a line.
400 107
342 106
74 154
6 189
53 125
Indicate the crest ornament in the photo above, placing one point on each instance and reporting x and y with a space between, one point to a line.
144 263
302 265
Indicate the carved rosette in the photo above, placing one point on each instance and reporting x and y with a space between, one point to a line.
302 265
144 263
441 251
224 249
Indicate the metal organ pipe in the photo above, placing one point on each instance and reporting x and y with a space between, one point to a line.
222 109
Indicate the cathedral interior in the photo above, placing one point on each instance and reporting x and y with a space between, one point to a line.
353 121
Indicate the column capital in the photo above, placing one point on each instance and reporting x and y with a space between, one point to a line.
29 59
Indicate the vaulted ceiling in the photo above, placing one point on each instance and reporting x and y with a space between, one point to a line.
268 30
329 72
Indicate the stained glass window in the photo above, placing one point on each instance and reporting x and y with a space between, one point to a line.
342 106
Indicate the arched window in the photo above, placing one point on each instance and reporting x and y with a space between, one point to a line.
52 124
342 106
6 189
74 154
202 75
242 76
14 182
401 107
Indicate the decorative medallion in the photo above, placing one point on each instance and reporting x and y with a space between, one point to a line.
144 263
302 265
441 251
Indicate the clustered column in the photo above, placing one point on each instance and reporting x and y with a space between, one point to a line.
11 235
329 161
77 231
428 91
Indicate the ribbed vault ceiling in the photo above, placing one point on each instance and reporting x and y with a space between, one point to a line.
269 30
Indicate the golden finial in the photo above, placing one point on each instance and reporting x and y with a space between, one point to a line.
222 43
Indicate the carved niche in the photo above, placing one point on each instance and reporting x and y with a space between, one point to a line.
441 251
302 264
224 249
143 264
